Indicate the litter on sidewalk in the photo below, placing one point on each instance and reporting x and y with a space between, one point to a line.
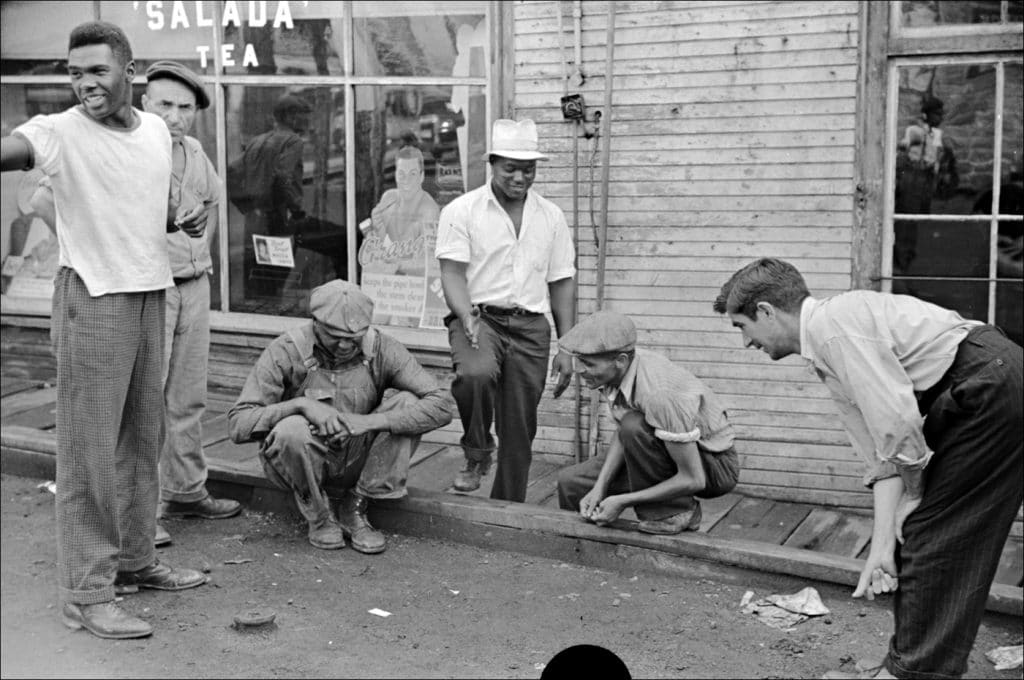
1006 658
784 611
378 612
48 486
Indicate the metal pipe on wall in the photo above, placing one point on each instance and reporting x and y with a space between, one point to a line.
602 246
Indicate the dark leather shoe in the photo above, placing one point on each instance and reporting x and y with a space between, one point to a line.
357 528
105 620
158 577
326 535
208 508
468 479
684 521
161 538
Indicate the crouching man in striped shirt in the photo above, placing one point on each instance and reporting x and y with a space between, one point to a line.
674 442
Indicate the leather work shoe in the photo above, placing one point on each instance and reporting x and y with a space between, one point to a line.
468 478
208 508
105 620
158 577
161 538
352 517
326 535
684 521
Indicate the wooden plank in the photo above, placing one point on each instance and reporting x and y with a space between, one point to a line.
1011 564
539 17
24 401
12 385
714 509
735 93
215 430
850 537
41 417
814 529
758 519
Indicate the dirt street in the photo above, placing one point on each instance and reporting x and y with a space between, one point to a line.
456 611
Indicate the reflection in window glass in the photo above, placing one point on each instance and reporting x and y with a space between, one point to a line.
286 194
946 133
932 12
420 38
43 50
941 249
417 148
303 41
157 31
26 218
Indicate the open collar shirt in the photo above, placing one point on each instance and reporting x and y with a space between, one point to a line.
503 269
875 352
190 257
674 402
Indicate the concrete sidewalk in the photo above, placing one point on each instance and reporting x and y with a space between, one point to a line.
29 449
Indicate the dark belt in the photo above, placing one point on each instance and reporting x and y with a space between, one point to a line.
178 280
506 311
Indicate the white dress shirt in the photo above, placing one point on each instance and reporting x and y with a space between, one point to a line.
504 270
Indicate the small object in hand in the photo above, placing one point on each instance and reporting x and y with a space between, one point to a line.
254 617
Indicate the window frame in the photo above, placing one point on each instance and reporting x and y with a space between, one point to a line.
885 41
496 85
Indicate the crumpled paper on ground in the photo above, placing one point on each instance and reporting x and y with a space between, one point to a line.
784 611
1006 658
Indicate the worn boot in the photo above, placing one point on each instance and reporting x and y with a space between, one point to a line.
674 524
468 478
105 620
352 517
326 534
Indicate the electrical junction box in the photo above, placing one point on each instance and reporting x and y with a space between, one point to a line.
572 107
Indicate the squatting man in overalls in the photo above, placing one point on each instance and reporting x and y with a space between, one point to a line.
315 400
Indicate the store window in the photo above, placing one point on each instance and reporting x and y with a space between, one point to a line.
382 114
955 167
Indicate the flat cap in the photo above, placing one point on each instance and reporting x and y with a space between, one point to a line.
342 306
175 71
599 333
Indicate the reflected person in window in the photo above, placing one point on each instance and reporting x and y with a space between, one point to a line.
269 188
933 404
315 402
176 94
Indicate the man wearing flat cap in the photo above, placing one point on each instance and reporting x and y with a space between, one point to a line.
176 94
315 401
674 442
507 259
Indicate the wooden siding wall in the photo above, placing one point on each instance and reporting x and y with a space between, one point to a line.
732 137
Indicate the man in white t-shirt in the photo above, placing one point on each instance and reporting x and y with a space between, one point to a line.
110 168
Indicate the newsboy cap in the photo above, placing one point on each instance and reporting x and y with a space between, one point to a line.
342 306
599 333
184 75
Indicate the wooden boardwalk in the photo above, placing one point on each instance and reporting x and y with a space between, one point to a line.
29 402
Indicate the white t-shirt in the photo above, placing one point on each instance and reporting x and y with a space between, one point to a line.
110 190
504 270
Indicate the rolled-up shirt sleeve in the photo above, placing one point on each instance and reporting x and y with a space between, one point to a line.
875 397
561 263
258 407
673 416
401 371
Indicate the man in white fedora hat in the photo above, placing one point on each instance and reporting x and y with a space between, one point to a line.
507 258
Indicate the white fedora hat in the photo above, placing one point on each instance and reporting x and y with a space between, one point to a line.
514 139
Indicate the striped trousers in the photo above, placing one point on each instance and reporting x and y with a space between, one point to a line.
110 428
972 490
